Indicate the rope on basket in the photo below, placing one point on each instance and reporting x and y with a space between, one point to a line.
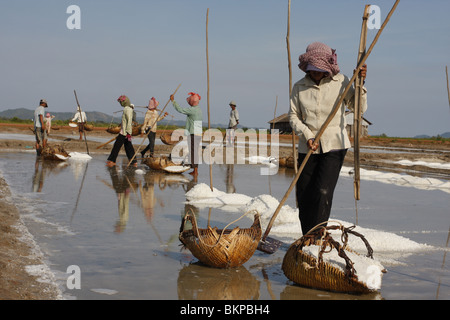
221 234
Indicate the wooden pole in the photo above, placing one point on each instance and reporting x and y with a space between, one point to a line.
84 131
359 82
209 119
288 46
104 144
448 90
275 113
330 117
162 111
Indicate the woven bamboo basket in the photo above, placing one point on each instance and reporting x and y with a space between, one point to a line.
88 127
305 270
55 152
158 163
221 248
136 130
287 162
113 129
167 139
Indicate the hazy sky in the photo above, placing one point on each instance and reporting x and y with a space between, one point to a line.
146 48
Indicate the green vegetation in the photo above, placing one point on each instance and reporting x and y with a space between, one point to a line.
434 138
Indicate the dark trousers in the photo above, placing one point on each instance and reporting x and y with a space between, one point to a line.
194 149
151 143
315 187
129 149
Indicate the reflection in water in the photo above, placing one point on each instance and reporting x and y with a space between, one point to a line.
229 179
200 282
122 184
43 168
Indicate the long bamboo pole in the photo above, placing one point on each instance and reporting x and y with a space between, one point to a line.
448 89
209 119
330 117
288 46
357 106
275 113
81 120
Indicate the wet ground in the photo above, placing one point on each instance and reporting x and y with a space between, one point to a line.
120 228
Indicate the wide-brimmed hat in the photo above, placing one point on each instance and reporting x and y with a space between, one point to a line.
232 103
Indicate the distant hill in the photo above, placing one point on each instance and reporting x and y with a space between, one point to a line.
424 136
27 114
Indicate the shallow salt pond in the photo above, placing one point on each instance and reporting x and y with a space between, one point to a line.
120 228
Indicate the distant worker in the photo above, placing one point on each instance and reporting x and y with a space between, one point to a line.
150 125
39 126
80 117
48 122
232 124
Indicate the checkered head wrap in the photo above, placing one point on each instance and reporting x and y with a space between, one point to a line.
321 57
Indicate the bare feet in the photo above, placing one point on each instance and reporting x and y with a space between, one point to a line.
110 164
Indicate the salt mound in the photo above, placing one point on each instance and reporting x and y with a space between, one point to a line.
79 156
202 194
401 179
176 169
368 271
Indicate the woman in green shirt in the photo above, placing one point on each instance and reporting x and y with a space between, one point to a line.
193 128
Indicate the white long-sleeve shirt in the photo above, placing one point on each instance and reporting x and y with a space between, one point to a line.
234 118
78 118
311 105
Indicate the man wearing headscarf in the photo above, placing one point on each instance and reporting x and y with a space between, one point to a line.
124 136
194 128
150 125
312 100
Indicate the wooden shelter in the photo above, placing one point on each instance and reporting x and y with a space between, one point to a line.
364 125
281 123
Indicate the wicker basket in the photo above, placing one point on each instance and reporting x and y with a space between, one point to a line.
287 162
158 163
221 248
136 130
56 153
166 138
88 127
113 129
305 270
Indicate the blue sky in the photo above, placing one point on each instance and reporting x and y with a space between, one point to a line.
146 48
